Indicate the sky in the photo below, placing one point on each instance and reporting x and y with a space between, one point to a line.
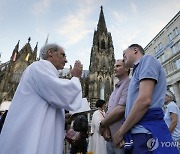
71 24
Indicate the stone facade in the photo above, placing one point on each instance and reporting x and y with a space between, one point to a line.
165 46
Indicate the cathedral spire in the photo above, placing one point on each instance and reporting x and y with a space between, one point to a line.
47 39
15 52
35 51
101 24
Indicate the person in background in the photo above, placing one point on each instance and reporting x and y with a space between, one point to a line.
80 124
36 117
172 117
116 106
97 144
143 113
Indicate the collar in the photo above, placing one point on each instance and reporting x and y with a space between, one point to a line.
135 65
118 84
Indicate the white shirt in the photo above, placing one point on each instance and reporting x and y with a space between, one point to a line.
97 144
172 108
35 121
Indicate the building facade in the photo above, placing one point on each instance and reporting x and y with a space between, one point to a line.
165 46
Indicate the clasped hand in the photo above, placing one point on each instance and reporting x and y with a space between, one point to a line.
77 69
118 139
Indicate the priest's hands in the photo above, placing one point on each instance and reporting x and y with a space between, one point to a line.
77 69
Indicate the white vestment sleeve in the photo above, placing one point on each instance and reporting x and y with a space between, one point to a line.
60 93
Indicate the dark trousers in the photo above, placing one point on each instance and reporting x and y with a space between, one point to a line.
140 144
81 147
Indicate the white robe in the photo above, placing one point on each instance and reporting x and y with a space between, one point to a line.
36 119
97 144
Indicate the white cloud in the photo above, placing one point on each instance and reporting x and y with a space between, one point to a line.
122 36
86 2
122 39
119 17
2 3
75 26
133 7
41 6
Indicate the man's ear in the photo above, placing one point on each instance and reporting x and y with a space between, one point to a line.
49 53
135 50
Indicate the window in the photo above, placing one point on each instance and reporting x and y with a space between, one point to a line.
177 63
170 37
163 57
178 46
160 46
173 49
156 49
175 31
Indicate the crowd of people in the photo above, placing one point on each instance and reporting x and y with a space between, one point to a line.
141 117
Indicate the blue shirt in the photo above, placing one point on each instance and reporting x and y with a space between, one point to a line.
148 67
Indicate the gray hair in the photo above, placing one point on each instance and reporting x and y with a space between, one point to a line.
44 50
171 95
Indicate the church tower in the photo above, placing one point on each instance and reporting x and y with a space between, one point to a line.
101 63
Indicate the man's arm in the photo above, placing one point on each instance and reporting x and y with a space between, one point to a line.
138 110
174 120
115 115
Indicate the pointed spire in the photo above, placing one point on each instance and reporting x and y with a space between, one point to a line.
101 24
47 39
35 51
17 46
15 52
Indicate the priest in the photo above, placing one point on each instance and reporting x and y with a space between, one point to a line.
36 117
